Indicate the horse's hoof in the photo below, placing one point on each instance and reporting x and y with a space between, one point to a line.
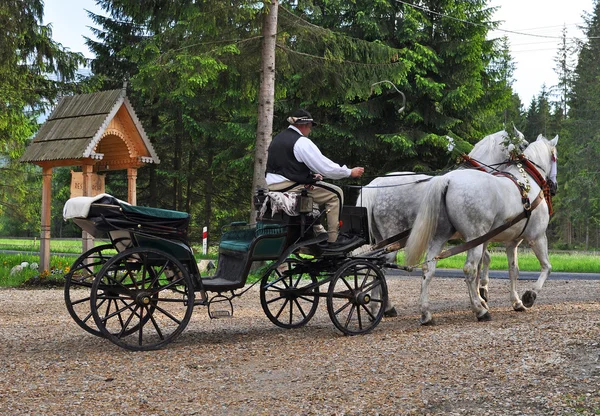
485 317
519 307
528 298
426 319
391 313
483 293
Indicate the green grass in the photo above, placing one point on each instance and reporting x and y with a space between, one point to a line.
575 262
561 262
72 246
58 266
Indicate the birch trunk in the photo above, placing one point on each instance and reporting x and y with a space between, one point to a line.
266 98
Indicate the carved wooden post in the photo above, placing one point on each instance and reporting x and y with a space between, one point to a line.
46 209
132 186
87 241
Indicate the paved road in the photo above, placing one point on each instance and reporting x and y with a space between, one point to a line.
503 274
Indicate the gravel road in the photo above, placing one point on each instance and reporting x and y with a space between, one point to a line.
541 362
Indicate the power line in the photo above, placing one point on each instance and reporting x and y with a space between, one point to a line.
514 32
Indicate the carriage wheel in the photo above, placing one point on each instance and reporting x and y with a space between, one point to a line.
142 299
357 297
78 283
285 298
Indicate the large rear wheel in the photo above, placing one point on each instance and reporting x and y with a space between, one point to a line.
289 295
357 297
142 299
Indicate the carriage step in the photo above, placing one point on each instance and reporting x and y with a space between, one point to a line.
220 314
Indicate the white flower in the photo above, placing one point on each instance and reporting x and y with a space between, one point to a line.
510 148
450 143
16 269
33 266
24 265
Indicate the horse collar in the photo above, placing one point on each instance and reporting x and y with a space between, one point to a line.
538 178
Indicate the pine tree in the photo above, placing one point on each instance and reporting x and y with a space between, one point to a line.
34 71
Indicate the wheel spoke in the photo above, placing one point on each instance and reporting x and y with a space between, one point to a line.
349 318
299 308
281 310
168 314
364 307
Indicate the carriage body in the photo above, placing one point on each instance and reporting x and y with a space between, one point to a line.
145 283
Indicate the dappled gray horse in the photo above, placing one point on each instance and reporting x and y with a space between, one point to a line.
393 201
476 204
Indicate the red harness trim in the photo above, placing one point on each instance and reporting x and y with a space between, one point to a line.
470 161
539 179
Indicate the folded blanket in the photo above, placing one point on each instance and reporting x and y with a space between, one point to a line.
283 201
79 207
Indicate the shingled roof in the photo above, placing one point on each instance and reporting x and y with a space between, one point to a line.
78 123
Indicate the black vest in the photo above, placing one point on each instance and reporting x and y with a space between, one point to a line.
281 159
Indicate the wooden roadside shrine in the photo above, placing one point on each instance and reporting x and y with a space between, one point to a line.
99 132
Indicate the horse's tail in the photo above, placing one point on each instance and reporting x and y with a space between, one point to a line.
426 221
366 197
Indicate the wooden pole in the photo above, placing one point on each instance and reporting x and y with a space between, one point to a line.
46 215
87 241
132 186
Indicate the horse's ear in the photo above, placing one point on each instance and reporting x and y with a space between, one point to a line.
518 133
540 137
554 141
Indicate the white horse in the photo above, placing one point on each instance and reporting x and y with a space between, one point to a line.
474 203
393 201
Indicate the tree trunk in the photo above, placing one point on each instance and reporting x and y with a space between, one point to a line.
266 98
208 188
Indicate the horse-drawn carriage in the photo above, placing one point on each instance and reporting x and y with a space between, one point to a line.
139 291
141 288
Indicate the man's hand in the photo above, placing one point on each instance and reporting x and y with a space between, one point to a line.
357 172
318 177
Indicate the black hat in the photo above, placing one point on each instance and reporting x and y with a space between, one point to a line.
301 117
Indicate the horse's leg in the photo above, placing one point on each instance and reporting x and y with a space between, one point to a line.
390 310
470 270
513 274
540 249
428 268
484 275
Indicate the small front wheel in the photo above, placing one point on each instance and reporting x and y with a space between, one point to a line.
142 299
357 297
289 296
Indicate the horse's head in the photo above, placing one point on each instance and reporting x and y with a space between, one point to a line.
543 154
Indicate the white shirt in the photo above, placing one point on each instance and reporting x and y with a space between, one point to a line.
308 153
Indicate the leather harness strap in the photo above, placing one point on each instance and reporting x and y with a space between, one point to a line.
470 161
480 240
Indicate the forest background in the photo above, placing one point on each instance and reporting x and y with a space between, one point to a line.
192 70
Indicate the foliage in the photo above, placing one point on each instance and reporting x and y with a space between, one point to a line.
35 71
579 145
454 87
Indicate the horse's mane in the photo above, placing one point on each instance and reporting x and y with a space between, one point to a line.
486 145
